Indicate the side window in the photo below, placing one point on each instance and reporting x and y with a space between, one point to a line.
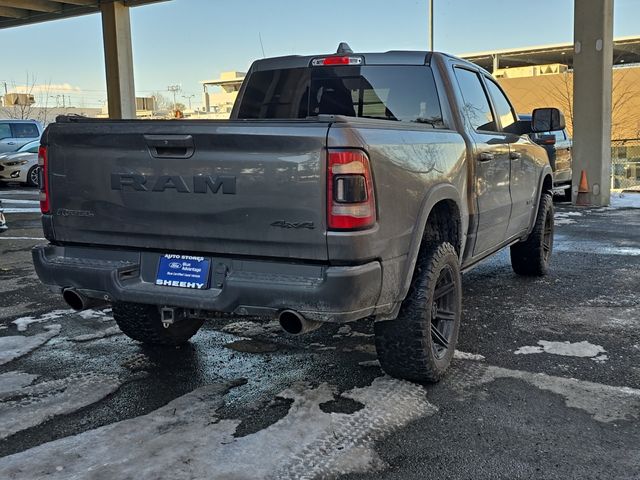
503 107
5 131
559 135
25 130
476 104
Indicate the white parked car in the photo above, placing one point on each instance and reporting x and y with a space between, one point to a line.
22 165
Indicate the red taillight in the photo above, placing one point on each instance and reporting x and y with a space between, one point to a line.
336 60
350 198
44 180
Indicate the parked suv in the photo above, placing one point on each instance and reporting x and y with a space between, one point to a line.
15 133
558 145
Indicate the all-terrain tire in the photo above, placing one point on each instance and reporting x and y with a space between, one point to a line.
531 257
142 323
408 347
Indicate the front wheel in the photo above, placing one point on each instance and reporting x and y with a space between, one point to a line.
33 176
142 322
419 344
531 257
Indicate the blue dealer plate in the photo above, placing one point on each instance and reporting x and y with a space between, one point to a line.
183 271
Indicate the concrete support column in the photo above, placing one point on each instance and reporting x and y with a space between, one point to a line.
118 57
496 62
592 63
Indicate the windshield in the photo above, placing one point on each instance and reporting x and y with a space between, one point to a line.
398 93
31 147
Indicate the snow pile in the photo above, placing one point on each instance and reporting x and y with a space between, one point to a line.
186 440
18 345
32 405
567 349
23 322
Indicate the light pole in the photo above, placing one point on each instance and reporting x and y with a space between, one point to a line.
188 97
431 25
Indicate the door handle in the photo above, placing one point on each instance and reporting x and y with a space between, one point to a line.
170 146
485 156
11 143
515 155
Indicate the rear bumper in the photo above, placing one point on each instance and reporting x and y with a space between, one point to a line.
243 287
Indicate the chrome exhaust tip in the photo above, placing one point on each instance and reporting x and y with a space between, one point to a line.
295 324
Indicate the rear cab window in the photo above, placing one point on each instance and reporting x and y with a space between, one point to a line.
395 93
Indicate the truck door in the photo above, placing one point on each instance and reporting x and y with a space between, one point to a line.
524 172
491 162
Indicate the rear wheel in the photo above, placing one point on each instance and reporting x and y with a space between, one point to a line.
419 344
142 323
532 256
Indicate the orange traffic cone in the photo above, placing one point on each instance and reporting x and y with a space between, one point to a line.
583 190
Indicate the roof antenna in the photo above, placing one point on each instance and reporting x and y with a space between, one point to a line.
344 48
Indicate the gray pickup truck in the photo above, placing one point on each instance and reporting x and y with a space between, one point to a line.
344 186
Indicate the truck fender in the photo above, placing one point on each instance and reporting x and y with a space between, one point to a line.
436 194
546 172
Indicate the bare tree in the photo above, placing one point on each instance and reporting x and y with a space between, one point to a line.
623 89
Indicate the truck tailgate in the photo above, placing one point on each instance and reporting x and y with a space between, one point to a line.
225 187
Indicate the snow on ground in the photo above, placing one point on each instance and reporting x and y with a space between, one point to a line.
625 200
605 403
23 322
16 346
567 349
20 210
467 356
186 440
11 381
245 328
32 405
107 332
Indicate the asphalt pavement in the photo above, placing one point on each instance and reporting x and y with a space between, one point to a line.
545 384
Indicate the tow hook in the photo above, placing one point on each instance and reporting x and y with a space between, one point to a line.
167 316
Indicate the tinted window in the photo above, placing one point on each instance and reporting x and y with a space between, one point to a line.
501 104
476 104
25 130
5 131
399 93
276 94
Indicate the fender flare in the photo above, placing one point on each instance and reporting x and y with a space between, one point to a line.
438 193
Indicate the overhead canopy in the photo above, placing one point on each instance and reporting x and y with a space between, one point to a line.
14 13
625 50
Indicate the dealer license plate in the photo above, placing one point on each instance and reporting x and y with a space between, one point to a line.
184 271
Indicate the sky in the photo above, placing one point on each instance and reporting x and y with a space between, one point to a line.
187 41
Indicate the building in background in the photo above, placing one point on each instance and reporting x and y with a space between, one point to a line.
219 103
543 77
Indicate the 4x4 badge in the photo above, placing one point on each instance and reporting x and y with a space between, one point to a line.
285 224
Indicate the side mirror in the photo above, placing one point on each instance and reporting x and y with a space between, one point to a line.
547 120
